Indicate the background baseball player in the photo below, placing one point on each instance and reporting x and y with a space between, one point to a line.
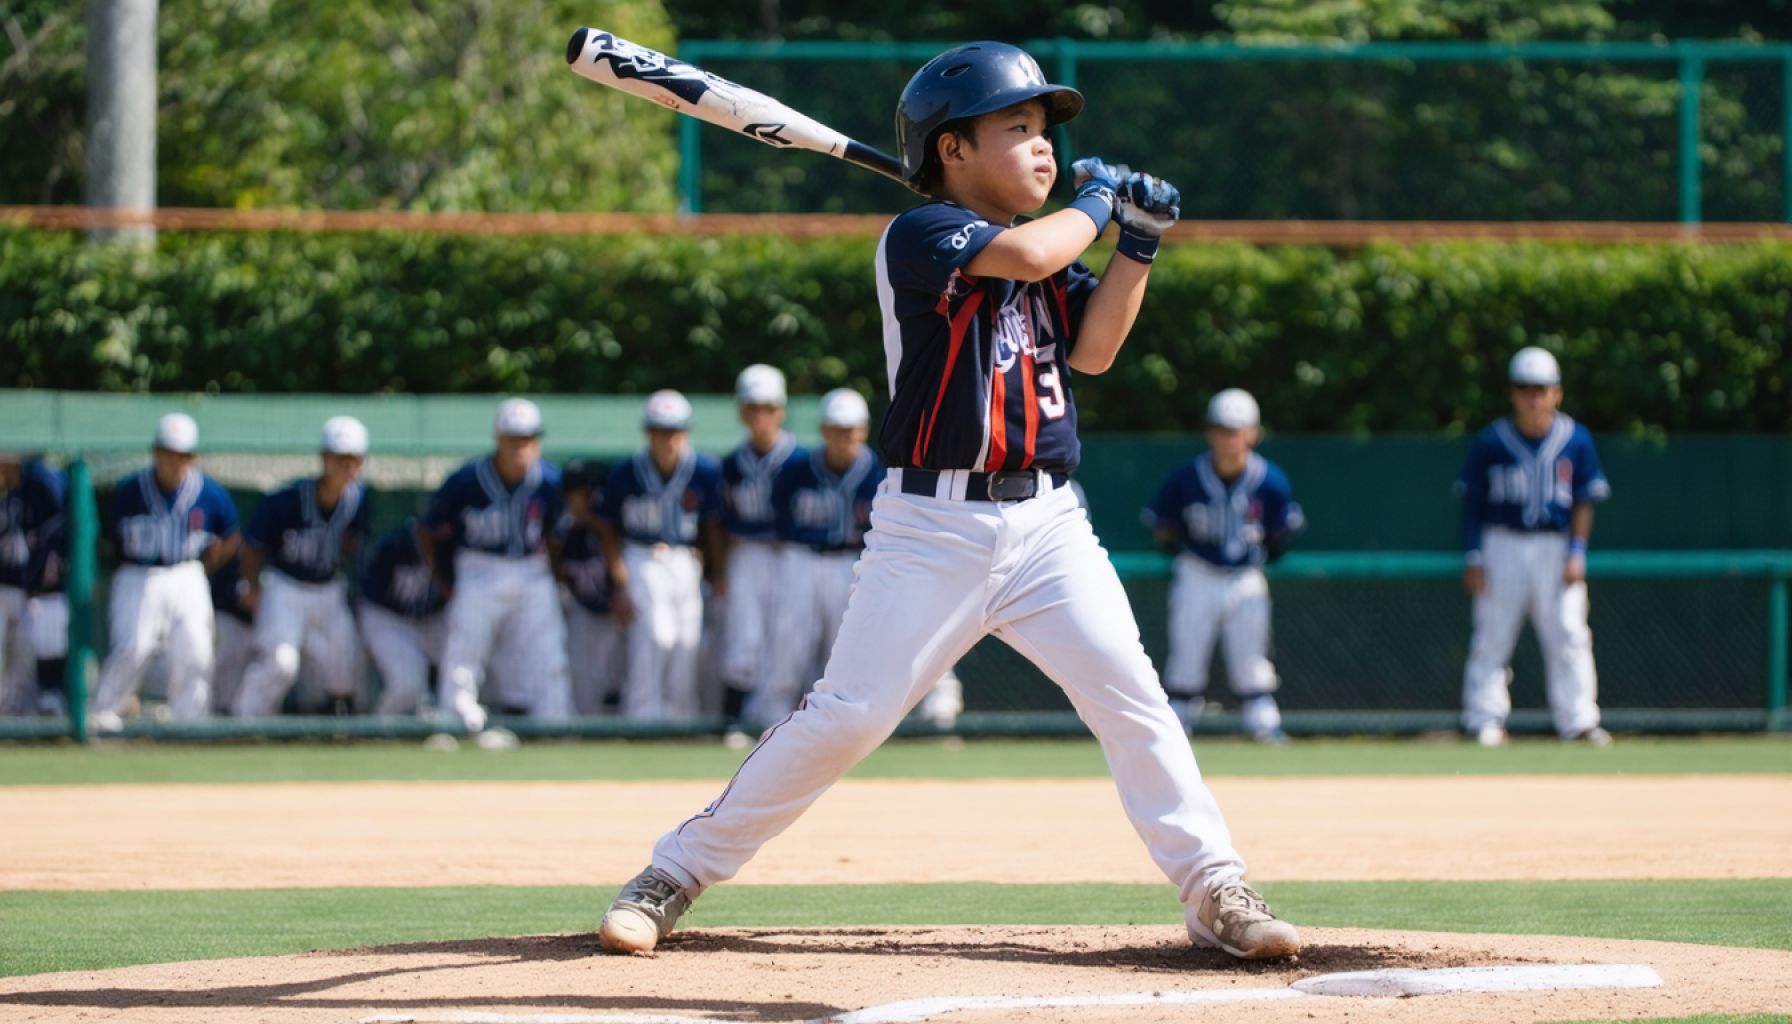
498 513
31 536
754 591
1527 492
1225 514
233 627
596 640
660 523
822 500
170 525
305 535
399 608
975 529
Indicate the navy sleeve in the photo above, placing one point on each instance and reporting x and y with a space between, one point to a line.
224 520
1079 284
262 528
928 244
441 519
1166 506
1471 487
784 487
1590 484
609 506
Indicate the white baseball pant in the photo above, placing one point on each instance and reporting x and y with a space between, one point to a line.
231 655
18 661
507 611
936 576
402 650
299 623
1208 602
155 607
597 648
754 594
1524 578
665 583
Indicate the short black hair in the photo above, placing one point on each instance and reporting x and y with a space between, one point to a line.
932 174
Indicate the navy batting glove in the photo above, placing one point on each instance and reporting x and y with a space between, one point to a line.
1146 207
1097 185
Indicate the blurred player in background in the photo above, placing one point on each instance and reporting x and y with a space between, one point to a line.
399 607
660 523
1527 492
171 525
1225 514
498 513
822 500
31 604
596 641
306 535
754 590
233 627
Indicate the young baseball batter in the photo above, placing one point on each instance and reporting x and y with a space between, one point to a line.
660 525
305 535
1528 491
171 525
1225 514
753 584
975 529
498 513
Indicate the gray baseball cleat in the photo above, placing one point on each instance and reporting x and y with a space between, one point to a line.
1244 924
645 912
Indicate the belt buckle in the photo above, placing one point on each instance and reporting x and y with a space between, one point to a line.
1012 486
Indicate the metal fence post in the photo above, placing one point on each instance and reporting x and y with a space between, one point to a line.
1692 79
1777 626
1066 53
83 542
690 148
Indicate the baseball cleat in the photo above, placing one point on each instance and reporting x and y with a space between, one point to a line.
1243 925
1594 737
1491 735
645 912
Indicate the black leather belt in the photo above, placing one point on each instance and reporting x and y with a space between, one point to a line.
1003 485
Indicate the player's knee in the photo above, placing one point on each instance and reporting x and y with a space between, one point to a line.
285 660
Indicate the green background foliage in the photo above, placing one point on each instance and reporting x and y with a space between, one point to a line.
1652 338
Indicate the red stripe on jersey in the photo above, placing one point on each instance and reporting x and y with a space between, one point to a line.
960 324
1031 413
998 422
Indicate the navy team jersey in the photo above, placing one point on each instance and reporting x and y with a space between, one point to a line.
587 573
300 539
825 510
30 524
1513 481
153 528
650 509
1229 523
395 576
473 509
747 478
227 594
979 367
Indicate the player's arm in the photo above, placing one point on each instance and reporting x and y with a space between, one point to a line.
1147 207
610 543
712 540
1580 533
1471 487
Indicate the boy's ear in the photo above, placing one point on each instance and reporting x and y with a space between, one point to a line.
950 146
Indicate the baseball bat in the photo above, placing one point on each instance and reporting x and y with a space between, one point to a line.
610 60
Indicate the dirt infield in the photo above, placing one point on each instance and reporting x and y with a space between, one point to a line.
184 837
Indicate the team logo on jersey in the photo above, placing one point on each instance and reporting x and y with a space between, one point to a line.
962 237
690 501
1017 332
196 519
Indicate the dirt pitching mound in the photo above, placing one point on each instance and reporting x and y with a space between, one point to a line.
822 974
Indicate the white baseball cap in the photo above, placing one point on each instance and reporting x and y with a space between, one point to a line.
844 407
344 435
518 417
176 432
1234 409
1533 365
667 410
760 384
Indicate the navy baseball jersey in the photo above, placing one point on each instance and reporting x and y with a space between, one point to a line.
825 510
153 528
30 524
650 509
475 510
300 539
587 573
1519 483
979 367
395 576
227 590
1229 523
747 478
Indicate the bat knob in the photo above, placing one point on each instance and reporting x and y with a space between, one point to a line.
577 45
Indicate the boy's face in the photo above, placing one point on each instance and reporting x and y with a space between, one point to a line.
843 443
1003 159
516 454
1231 443
1535 403
341 470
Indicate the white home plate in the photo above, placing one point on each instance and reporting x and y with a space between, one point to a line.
1391 982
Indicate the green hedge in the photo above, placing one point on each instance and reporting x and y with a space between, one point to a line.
1653 338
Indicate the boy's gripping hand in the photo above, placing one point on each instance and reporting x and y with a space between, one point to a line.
1146 207
1097 188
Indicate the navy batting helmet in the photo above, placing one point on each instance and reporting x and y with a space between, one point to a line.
966 81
